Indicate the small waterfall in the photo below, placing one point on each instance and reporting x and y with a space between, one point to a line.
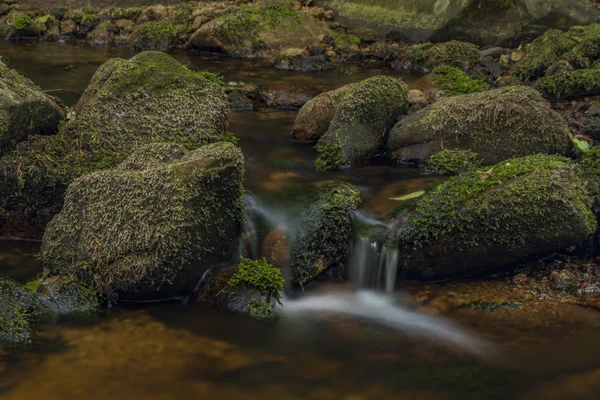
373 265
260 220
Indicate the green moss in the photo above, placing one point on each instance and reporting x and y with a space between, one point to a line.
158 30
454 81
452 162
361 122
154 221
148 98
490 218
260 275
346 43
486 306
579 45
19 310
591 166
22 22
261 310
89 16
585 82
325 230
454 53
45 19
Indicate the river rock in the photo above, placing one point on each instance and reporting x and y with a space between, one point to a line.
19 310
155 222
284 95
24 109
148 98
268 26
483 221
314 117
361 123
482 22
323 231
497 124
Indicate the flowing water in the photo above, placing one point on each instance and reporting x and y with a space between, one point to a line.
336 341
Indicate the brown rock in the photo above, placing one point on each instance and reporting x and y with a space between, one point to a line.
275 250
284 95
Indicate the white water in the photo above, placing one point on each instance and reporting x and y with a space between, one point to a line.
379 308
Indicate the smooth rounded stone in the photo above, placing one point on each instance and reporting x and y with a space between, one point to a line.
497 124
359 128
151 226
481 222
24 109
148 98
19 310
275 250
284 95
314 117
323 230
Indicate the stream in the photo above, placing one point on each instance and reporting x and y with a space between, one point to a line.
336 341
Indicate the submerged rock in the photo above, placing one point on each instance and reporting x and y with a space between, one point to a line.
498 124
359 128
284 95
155 222
323 231
481 222
19 310
314 117
148 98
24 109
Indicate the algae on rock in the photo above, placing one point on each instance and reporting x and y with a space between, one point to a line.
359 128
24 109
148 98
497 124
482 221
154 223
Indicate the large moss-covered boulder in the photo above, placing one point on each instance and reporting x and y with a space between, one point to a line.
323 231
497 124
152 225
314 117
580 46
481 222
148 98
361 123
485 22
24 109
19 310
265 27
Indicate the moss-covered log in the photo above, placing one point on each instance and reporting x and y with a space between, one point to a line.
156 222
497 124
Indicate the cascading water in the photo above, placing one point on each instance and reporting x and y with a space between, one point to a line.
259 219
373 265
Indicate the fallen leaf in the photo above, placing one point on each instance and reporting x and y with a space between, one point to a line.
409 196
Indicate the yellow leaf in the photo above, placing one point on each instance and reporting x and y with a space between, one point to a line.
409 196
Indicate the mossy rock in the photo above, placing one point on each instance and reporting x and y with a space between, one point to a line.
152 225
591 167
324 231
570 85
453 53
580 46
314 117
455 81
497 124
24 109
361 123
19 310
65 295
266 26
157 35
483 221
148 98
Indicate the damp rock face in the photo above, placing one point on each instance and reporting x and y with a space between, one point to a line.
483 221
361 123
152 225
497 124
148 98
24 109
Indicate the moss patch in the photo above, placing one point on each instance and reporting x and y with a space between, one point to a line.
23 22
454 81
452 162
585 82
453 53
159 219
